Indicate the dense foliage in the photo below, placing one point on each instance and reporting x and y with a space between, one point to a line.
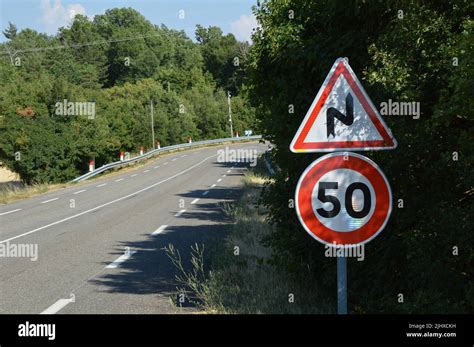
404 51
119 61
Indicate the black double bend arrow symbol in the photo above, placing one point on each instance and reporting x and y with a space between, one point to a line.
347 119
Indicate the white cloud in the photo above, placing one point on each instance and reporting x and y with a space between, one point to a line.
242 28
56 15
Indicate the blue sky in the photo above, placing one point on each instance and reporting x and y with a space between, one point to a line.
47 16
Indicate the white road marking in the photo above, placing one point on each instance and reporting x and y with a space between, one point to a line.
80 191
173 159
213 185
206 192
146 171
120 179
57 306
157 166
101 185
134 175
224 175
165 163
228 171
110 202
120 260
4 213
46 201
180 213
184 155
219 180
159 230
194 201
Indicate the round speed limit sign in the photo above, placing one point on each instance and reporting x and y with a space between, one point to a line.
343 199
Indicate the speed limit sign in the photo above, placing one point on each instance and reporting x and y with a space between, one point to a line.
343 199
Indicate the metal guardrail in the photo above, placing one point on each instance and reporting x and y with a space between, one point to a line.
151 153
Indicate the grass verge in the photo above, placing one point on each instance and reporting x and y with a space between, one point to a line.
10 192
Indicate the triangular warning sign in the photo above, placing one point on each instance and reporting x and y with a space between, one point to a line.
342 117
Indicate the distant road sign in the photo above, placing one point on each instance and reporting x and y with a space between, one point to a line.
342 116
343 199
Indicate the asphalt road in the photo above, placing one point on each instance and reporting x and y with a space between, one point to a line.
100 243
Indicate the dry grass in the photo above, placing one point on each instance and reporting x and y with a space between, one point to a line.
247 283
13 191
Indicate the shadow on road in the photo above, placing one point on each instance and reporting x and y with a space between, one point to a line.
149 270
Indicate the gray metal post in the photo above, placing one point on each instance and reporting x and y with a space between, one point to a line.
230 116
341 285
152 126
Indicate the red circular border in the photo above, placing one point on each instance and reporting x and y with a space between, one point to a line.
305 206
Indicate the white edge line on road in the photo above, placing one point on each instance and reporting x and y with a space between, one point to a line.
120 179
4 213
120 260
80 191
146 171
57 306
224 175
194 201
157 166
219 180
134 175
46 201
180 213
101 185
159 230
228 171
108 203
206 192
213 185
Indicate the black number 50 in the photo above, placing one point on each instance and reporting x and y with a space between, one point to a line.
336 204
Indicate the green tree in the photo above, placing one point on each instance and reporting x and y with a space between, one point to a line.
408 58
224 57
10 32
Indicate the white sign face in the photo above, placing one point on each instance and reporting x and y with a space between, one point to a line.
342 116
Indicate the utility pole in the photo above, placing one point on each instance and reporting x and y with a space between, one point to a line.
152 125
230 115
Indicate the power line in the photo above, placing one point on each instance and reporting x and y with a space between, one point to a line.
39 49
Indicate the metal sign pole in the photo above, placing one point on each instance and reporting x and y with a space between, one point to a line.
341 285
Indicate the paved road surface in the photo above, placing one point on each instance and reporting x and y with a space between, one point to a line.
82 234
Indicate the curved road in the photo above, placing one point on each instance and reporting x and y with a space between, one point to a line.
100 243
